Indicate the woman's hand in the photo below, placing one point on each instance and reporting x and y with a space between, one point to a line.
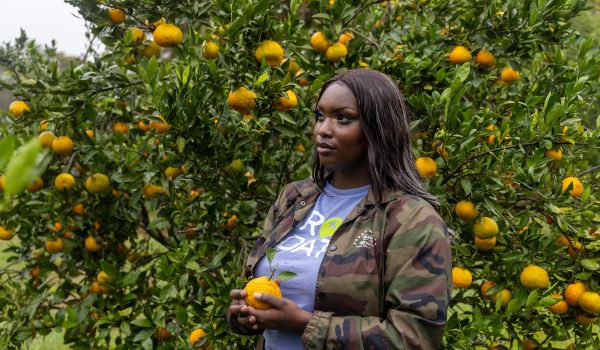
238 317
284 314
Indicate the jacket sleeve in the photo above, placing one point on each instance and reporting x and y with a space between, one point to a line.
418 285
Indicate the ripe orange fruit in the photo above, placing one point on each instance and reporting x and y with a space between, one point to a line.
196 335
261 285
5 234
97 183
151 190
137 35
336 52
584 318
590 302
117 16
466 210
62 145
172 172
574 291
162 334
103 278
426 167
35 271
18 108
485 228
485 59
78 209
319 42
92 245
143 126
485 286
211 50
509 75
561 307
36 185
159 127
505 296
97 288
459 55
64 181
554 154
167 35
242 100
461 277
120 127
534 277
54 246
150 50
90 133
46 138
271 51
577 189
345 38
485 244
287 102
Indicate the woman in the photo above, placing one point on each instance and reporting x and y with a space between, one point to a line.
370 250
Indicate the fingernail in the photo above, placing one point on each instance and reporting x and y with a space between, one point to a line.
258 295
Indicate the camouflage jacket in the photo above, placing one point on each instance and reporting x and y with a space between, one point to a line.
382 284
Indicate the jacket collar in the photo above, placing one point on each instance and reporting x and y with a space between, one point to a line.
309 186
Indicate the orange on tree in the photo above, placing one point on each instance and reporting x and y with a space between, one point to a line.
459 55
575 249
262 285
584 318
64 181
142 125
577 189
485 287
172 172
90 133
426 167
46 138
242 100
590 302
103 278
231 223
18 108
150 190
271 51
485 59
137 35
509 75
97 183
561 307
54 246
504 295
466 210
62 145
78 209
97 288
150 50
162 334
574 291
336 52
36 185
534 277
92 245
287 101
167 35
554 154
159 127
117 16
196 335
211 50
319 42
35 271
461 277
484 244
485 227
345 38
120 127
6 234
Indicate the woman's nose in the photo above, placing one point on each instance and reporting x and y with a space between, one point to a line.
325 128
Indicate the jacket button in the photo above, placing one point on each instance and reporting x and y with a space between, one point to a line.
332 247
322 295
303 203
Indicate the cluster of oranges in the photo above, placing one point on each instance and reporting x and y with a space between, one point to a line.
334 52
484 59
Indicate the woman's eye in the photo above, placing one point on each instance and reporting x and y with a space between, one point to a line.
319 116
344 119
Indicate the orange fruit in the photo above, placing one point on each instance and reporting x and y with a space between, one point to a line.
117 16
585 318
534 277
62 145
137 35
561 307
5 234
150 50
97 288
151 190
426 167
92 245
211 50
574 291
485 59
90 133
162 334
461 277
485 286
35 271
345 38
18 108
319 42
46 138
54 246
509 75
485 244
485 228
78 209
97 183
505 296
120 127
242 100
336 52
36 185
261 285
271 51
167 35
159 127
577 189
590 302
466 210
459 55
64 181
196 335
103 277
143 126
554 154
287 101
172 172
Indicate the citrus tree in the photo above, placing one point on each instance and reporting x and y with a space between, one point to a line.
165 151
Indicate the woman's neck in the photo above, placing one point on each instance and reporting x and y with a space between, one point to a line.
353 179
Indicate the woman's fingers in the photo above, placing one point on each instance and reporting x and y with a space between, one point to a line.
238 294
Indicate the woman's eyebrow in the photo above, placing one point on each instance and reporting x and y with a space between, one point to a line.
339 108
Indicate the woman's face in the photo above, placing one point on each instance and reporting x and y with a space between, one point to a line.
338 133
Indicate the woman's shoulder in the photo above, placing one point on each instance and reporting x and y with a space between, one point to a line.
411 213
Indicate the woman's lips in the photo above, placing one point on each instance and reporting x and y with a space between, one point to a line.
325 150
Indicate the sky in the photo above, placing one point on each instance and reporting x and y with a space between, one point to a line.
44 20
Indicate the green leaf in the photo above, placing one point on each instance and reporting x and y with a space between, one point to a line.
463 72
262 78
143 335
271 254
181 314
186 75
22 170
532 299
590 264
125 312
7 148
142 323
548 301
181 144
130 279
513 306
466 185
286 275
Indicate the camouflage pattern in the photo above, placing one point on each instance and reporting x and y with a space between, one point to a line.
368 297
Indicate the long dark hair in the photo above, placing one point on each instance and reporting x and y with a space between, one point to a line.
385 119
